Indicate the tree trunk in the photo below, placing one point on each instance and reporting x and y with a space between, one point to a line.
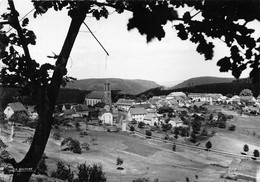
48 96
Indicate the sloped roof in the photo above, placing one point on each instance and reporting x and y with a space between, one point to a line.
77 108
149 116
146 106
69 112
175 94
80 108
84 107
17 106
125 102
137 111
95 95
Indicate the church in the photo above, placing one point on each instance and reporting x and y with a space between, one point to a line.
104 96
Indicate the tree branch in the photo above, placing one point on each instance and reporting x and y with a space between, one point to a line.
19 30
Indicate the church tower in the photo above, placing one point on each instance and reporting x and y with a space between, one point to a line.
107 94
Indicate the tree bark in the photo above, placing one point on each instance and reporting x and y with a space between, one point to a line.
48 96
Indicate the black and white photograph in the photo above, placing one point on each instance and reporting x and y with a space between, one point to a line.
129 90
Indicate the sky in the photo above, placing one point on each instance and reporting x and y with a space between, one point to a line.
167 62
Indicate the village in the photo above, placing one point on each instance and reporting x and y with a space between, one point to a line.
196 121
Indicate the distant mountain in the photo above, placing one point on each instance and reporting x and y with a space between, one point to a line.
202 81
126 86
233 88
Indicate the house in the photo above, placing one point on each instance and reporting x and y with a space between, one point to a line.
68 113
176 123
124 104
104 96
201 97
137 113
13 108
175 95
82 110
106 117
151 118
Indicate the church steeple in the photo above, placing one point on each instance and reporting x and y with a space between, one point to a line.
107 94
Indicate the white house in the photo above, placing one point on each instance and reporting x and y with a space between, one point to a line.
137 113
16 107
124 104
151 118
106 117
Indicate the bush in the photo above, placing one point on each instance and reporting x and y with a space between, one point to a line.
63 172
256 153
77 125
28 140
119 163
85 146
246 148
2 145
208 145
141 124
148 133
204 132
72 144
142 180
230 117
133 121
89 173
132 128
193 137
56 135
232 127
222 124
82 133
41 167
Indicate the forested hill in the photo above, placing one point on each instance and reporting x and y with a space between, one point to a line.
233 88
202 81
131 87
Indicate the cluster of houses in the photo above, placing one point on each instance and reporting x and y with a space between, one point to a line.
130 109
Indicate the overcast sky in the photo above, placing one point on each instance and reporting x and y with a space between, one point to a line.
166 62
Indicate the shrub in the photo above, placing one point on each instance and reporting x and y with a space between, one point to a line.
193 137
132 128
87 173
85 146
232 127
222 124
119 163
77 125
208 145
141 124
133 121
230 117
63 172
256 153
173 147
2 145
246 148
142 180
82 133
204 132
28 140
148 133
41 167
72 144
56 127
56 135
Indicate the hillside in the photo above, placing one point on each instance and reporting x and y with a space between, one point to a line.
132 87
233 88
202 81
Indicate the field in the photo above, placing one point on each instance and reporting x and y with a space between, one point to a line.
146 158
